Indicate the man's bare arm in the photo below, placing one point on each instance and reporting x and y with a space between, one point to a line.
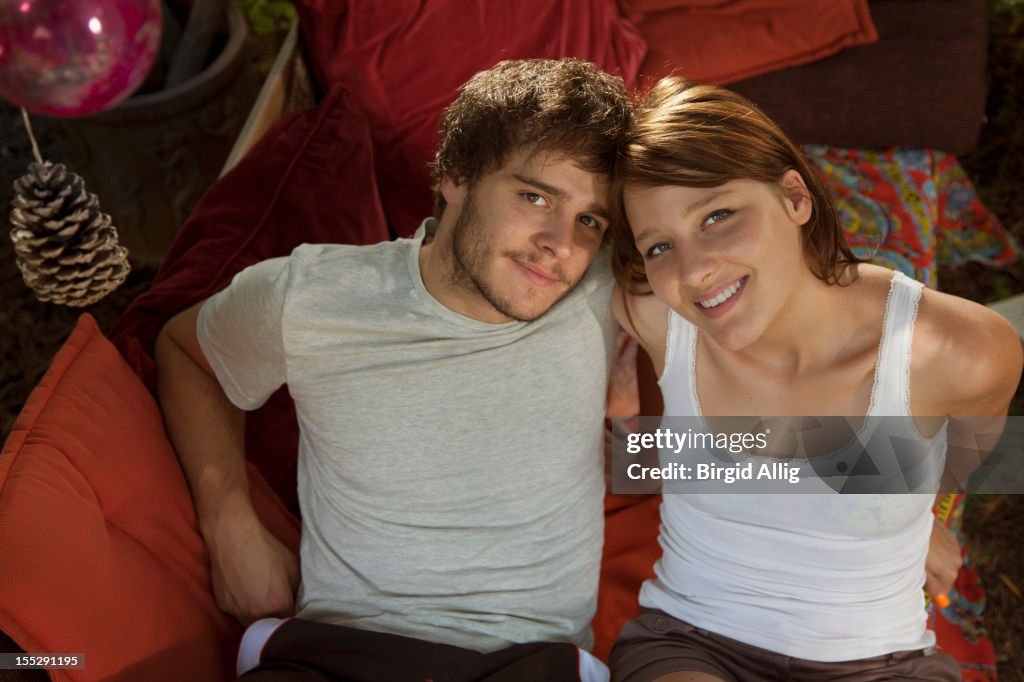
253 574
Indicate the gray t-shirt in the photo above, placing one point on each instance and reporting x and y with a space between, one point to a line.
449 470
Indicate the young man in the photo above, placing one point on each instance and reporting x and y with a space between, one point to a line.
450 391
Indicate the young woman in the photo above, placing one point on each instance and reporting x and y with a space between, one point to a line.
734 277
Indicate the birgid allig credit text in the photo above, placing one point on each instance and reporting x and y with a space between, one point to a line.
669 440
727 473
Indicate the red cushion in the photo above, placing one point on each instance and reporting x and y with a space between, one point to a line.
721 42
310 179
403 60
100 552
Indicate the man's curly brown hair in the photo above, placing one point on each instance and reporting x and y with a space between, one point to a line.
565 105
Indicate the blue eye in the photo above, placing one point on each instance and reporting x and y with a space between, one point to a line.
657 249
590 221
717 216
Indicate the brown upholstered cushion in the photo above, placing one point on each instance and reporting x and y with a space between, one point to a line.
921 85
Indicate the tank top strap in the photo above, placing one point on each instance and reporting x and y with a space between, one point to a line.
678 379
891 393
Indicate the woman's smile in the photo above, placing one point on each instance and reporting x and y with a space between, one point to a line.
721 300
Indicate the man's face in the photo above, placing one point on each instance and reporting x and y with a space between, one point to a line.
525 235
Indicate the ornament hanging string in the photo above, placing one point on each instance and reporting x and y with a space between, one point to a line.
31 137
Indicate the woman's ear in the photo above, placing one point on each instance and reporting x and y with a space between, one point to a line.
796 197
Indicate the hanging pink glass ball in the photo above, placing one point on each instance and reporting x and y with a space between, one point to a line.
75 57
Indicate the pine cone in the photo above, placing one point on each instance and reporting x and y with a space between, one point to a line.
66 248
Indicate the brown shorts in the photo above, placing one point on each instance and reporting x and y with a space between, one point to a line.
656 644
302 650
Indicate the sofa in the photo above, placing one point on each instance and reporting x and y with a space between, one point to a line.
99 550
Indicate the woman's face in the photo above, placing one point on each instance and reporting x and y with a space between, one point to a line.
726 258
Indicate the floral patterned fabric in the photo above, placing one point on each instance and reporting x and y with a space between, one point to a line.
911 209
960 627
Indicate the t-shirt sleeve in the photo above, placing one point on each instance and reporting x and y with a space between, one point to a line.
240 330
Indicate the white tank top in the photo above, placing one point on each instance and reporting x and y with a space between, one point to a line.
823 577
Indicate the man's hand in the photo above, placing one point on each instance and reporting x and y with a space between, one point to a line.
253 574
943 562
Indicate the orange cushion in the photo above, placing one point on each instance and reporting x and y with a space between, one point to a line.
721 42
100 552
630 550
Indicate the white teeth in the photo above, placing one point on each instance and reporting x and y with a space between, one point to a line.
721 298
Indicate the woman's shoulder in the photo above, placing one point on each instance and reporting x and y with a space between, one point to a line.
965 355
944 324
644 317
